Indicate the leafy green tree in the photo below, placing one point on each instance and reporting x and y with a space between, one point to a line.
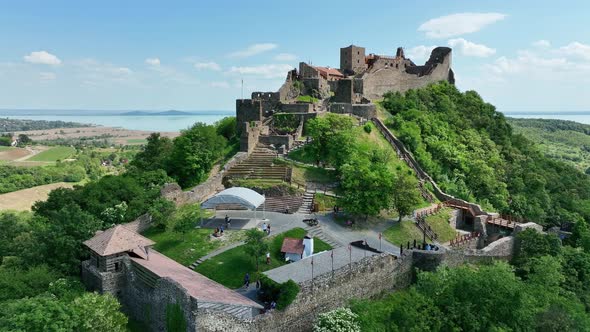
405 194
227 127
337 320
16 283
61 240
155 155
255 246
322 130
94 312
194 153
24 140
37 314
160 211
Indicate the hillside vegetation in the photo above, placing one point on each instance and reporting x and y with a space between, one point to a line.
12 125
562 140
472 152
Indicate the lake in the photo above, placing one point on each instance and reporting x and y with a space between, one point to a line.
149 122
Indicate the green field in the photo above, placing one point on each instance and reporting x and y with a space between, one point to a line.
54 154
229 267
136 141
401 233
440 225
4 148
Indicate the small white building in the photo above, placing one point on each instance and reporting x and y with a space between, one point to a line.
296 249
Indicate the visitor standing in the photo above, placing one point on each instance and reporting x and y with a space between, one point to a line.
247 280
268 229
268 258
264 227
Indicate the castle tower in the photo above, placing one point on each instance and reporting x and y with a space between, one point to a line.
352 60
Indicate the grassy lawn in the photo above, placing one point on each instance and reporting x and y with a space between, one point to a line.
302 174
4 148
229 267
307 99
440 224
325 202
187 248
401 233
303 155
54 154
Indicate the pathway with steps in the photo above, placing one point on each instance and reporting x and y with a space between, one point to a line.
317 232
306 205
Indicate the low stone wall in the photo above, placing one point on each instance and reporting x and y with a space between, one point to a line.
140 224
367 278
277 140
366 111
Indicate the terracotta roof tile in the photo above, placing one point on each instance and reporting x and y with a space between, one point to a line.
115 240
292 246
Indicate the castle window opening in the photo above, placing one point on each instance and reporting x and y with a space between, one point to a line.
117 266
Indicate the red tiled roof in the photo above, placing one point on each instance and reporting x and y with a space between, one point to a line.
325 71
197 285
115 240
292 246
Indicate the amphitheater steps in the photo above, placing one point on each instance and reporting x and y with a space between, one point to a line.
317 232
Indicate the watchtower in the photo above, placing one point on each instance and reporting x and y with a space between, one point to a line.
352 60
109 251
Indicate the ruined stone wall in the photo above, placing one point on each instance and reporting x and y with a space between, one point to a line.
142 223
344 92
269 100
249 135
297 108
288 91
367 278
247 110
366 111
381 79
277 140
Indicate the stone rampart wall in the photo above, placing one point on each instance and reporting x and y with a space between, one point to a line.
367 278
277 140
297 108
140 224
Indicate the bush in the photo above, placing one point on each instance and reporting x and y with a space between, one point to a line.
367 127
283 294
338 320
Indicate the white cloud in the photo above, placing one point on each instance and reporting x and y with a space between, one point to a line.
152 61
458 24
47 76
208 66
542 43
285 57
419 53
42 57
253 50
471 49
264 71
576 49
221 84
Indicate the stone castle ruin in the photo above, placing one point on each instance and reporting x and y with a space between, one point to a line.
277 118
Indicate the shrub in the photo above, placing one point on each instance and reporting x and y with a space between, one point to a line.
282 293
367 127
338 320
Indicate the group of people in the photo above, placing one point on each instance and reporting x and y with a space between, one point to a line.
266 228
218 231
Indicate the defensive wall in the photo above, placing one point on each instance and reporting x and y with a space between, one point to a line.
365 279
366 111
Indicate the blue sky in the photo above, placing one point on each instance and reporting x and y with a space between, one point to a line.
189 55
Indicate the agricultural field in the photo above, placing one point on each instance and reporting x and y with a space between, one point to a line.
23 200
54 154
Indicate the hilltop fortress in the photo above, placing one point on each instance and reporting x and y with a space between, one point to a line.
312 90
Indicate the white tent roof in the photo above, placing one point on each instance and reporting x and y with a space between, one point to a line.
235 195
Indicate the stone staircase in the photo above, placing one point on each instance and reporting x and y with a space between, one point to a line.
307 203
317 232
260 165
282 204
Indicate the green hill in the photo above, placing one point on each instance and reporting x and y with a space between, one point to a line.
563 140
473 153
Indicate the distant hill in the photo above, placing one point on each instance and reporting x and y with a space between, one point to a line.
563 140
12 125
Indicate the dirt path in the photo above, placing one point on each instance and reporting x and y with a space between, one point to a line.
23 200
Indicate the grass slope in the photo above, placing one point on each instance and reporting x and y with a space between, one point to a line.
229 267
440 224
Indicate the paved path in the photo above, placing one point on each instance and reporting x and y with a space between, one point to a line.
327 230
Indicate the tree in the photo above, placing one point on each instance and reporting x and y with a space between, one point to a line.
95 312
255 246
40 313
405 195
60 242
338 320
194 153
226 127
160 211
367 186
322 130
24 139
155 155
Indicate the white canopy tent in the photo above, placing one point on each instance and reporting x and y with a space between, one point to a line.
236 195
